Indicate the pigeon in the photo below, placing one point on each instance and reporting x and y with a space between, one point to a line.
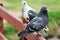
38 23
28 12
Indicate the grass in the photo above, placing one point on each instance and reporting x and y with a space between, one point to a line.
9 30
15 6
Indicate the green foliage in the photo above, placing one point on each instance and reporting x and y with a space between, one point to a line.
54 14
9 29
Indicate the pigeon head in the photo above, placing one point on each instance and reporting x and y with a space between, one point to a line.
44 9
24 4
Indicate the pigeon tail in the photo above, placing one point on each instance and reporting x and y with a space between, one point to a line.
23 34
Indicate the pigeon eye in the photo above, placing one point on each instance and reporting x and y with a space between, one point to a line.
24 3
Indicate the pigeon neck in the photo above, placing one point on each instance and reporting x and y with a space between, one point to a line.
25 7
43 13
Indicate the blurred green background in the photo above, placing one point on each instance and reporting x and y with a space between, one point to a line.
16 8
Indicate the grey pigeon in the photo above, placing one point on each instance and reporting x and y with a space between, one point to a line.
37 23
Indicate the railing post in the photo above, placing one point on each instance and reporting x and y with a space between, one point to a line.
1 22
